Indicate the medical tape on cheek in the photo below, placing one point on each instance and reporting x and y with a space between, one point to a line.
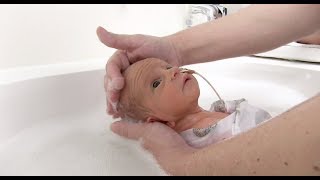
189 71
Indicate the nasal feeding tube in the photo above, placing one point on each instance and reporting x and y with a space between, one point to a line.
185 70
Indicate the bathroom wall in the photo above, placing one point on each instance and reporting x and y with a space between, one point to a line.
44 34
33 34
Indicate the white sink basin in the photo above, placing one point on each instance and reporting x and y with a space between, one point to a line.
53 120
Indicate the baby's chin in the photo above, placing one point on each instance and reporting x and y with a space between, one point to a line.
193 89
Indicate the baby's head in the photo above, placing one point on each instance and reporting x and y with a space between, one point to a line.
156 91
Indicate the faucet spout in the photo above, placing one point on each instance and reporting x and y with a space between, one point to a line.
200 13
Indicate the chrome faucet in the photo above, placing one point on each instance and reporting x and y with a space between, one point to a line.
200 13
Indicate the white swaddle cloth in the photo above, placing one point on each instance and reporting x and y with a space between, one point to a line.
243 117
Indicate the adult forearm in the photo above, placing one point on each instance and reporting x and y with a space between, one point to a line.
286 145
255 29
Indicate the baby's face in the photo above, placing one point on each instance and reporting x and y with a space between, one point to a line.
163 90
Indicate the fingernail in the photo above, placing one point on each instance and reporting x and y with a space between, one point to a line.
115 127
101 28
117 83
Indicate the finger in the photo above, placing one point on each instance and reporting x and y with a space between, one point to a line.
118 115
115 116
112 98
111 88
118 41
128 129
105 83
110 109
113 80
117 62
113 111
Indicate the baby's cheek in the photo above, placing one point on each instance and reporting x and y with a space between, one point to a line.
174 102
173 97
193 90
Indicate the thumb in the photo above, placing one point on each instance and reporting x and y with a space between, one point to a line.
128 129
118 41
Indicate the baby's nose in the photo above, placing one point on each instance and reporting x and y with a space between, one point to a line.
174 72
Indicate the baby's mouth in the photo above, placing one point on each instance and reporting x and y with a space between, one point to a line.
186 78
185 81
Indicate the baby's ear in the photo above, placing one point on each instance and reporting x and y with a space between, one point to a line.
151 119
171 124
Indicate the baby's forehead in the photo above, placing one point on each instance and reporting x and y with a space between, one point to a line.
154 62
137 74
145 64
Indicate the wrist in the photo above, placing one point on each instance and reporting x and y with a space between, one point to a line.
192 45
178 47
179 163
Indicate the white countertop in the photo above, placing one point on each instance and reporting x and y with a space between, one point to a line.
295 52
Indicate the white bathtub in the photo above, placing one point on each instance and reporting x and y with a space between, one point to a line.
53 120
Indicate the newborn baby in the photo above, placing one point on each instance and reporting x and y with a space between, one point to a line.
156 91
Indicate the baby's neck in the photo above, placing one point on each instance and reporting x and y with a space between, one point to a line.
199 118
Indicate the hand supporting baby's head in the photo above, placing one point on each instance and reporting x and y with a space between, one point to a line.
156 91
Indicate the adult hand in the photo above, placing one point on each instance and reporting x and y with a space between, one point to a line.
168 147
131 48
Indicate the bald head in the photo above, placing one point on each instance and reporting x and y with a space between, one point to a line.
132 95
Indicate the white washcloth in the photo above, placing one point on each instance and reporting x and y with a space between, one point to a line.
242 118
